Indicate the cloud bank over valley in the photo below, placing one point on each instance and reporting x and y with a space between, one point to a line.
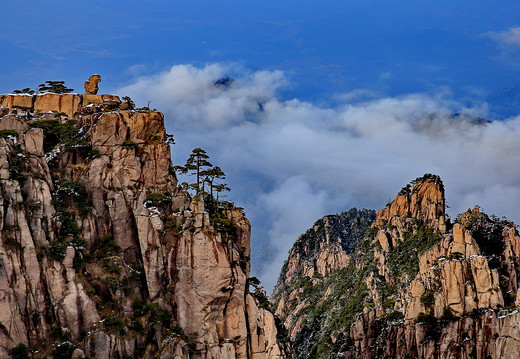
289 162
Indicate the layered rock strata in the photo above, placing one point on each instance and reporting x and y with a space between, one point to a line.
102 255
68 104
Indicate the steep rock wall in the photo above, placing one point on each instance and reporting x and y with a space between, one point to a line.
101 254
323 249
462 303
417 286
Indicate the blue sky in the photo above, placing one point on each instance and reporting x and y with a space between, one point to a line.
357 97
324 47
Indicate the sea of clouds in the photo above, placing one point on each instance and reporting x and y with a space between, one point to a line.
290 162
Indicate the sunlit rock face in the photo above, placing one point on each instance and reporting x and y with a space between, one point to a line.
91 85
102 255
416 286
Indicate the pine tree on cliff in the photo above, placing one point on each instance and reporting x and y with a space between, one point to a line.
221 187
207 175
211 175
54 87
196 164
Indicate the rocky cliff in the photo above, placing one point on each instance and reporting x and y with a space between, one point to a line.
326 246
416 286
317 254
102 255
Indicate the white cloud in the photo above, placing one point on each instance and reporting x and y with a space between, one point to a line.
508 38
289 162
385 76
189 95
136 70
355 95
291 209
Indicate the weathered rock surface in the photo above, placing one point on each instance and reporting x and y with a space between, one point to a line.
323 249
68 104
91 85
417 286
102 253
424 201
461 303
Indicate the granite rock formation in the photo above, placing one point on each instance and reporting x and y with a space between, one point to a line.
102 255
416 286
91 85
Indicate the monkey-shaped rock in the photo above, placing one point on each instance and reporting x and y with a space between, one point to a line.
91 85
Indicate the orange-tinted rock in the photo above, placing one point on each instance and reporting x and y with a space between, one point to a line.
66 103
90 99
12 122
91 85
425 201
451 307
34 141
170 255
125 106
12 101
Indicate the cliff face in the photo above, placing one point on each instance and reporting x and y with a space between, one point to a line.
322 250
460 299
325 247
416 286
101 254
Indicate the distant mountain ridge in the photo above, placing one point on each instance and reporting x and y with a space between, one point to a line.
325 247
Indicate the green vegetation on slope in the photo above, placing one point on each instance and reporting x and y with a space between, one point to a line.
332 303
349 227
324 308
322 315
346 228
331 314
405 257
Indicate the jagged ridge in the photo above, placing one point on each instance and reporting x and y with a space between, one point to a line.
317 262
416 286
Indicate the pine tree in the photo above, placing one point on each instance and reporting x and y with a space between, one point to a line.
212 174
196 163
206 175
54 86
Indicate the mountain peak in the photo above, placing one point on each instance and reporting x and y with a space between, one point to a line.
421 199
411 288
